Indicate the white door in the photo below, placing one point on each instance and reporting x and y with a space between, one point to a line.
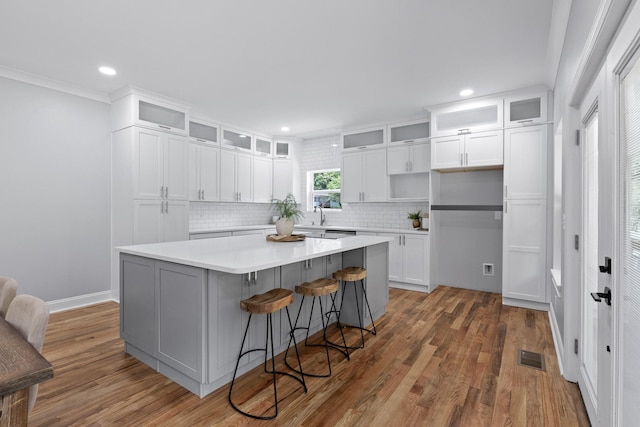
397 162
148 167
420 158
352 172
209 170
262 179
484 149
594 371
395 257
375 176
626 276
147 221
227 176
175 221
525 171
282 178
244 176
446 152
415 259
176 161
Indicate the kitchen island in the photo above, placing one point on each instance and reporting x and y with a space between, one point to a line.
180 301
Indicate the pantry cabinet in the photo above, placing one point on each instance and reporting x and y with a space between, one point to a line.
363 176
474 150
235 176
204 172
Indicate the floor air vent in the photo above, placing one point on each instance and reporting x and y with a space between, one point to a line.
531 359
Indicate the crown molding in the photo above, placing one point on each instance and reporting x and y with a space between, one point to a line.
34 79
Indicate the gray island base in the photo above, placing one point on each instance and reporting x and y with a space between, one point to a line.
180 301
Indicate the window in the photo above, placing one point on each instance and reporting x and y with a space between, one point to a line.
324 189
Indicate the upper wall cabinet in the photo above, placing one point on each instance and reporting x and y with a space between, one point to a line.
364 138
204 132
263 146
525 109
282 149
237 140
135 109
466 117
409 132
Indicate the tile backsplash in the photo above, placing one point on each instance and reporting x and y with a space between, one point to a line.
316 154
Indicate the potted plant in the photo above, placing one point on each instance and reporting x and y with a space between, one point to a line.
287 210
415 216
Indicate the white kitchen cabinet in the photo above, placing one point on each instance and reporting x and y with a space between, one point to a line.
263 146
235 139
282 149
282 177
468 116
160 165
361 139
364 177
204 173
235 176
525 109
524 250
156 221
408 258
525 166
134 108
469 151
227 321
262 179
204 132
409 159
413 131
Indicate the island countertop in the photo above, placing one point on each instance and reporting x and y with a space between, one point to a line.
245 254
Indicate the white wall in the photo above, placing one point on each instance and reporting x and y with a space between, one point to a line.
54 191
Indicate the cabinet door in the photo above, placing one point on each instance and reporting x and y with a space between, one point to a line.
471 116
395 257
525 168
227 176
397 160
147 221
364 138
209 169
484 149
180 298
262 179
194 172
137 302
226 323
446 152
352 174
244 177
420 158
524 250
148 180
176 163
282 178
525 109
175 221
375 178
415 258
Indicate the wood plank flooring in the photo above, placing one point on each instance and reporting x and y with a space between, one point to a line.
444 359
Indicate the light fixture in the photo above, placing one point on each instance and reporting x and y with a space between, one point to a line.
284 128
334 145
466 92
243 136
107 70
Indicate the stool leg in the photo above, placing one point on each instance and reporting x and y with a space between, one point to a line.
355 292
364 292
295 345
235 371
335 311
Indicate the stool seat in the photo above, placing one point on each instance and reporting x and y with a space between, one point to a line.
317 288
268 302
350 274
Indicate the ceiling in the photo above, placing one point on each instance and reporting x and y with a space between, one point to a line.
316 67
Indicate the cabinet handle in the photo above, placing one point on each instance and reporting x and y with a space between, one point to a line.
506 191
166 209
164 127
466 159
162 191
201 140
362 148
461 161
410 166
463 131
329 258
406 166
525 121
255 278
240 196
166 192
310 263
408 141
506 206
399 239
161 207
202 194
404 240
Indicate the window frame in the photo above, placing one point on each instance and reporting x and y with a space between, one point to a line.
311 192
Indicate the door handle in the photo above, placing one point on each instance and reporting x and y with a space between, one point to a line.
598 296
606 268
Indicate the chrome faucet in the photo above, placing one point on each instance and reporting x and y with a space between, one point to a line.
322 217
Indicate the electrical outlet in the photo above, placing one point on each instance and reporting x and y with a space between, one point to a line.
497 215
487 269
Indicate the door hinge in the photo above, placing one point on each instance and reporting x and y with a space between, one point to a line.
576 242
575 346
578 137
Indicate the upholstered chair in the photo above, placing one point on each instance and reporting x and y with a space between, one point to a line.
8 289
29 315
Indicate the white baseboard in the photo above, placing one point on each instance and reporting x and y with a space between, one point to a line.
409 287
557 338
532 305
79 301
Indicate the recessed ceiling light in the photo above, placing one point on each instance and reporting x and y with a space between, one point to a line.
107 70
284 128
243 136
466 92
334 145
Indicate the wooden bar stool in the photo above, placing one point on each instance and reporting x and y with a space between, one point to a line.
316 290
267 303
353 275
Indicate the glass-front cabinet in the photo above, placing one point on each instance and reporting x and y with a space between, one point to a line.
236 139
525 109
364 138
467 117
263 146
409 132
204 132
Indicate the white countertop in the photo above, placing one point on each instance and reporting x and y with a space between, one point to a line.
313 227
245 254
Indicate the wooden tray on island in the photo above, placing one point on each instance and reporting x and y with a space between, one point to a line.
290 238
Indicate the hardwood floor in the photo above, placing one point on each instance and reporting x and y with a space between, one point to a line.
444 359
